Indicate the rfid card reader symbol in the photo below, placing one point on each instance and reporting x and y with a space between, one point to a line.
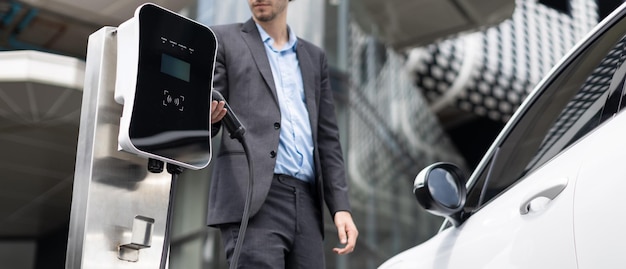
176 101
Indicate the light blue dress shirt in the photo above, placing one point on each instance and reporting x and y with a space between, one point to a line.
295 148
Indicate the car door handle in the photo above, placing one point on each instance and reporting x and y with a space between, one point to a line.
549 192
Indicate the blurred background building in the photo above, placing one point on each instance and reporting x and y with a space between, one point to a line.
415 82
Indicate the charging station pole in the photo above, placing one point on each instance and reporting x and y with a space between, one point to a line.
119 209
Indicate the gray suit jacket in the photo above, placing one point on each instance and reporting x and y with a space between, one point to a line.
244 76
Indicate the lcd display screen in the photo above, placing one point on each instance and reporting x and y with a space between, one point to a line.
175 67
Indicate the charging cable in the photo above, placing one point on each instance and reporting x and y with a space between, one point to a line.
236 130
156 166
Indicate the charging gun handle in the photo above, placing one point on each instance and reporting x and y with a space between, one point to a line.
230 120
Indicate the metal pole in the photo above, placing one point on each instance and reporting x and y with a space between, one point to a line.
111 188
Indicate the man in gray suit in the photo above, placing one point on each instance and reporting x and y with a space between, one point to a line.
278 86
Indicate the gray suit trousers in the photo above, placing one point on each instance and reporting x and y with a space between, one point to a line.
285 233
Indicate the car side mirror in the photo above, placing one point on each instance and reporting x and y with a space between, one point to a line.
440 190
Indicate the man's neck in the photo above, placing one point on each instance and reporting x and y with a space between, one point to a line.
277 29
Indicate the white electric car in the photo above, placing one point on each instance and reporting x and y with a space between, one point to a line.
551 190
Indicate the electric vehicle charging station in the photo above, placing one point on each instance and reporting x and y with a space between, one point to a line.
146 99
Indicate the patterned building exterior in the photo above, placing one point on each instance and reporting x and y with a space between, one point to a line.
490 72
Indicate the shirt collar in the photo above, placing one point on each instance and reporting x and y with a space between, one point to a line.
267 39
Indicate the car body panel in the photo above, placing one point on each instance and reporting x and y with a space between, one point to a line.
599 215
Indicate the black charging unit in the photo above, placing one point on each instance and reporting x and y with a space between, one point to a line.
165 65
164 79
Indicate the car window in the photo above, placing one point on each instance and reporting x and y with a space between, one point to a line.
596 101
581 96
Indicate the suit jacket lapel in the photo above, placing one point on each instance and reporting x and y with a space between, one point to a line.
308 80
252 38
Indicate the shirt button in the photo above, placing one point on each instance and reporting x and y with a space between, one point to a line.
276 125
273 154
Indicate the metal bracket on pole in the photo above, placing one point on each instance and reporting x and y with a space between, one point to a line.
141 238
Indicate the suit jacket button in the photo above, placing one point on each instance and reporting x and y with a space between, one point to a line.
273 154
276 125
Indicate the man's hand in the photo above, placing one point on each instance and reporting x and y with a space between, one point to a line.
217 111
347 232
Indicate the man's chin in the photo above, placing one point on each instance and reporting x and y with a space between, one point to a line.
264 17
